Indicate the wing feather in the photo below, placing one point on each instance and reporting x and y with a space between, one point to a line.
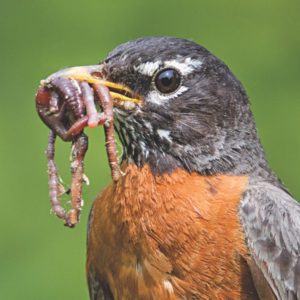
271 220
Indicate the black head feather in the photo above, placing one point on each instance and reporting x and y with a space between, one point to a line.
205 126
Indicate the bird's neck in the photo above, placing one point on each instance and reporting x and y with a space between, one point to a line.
231 152
235 157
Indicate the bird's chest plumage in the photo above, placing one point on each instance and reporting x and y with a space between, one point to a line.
176 236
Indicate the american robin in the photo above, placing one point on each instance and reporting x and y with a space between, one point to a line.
198 213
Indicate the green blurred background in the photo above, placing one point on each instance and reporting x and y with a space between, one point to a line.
259 40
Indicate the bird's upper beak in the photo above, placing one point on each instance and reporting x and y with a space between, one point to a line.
93 75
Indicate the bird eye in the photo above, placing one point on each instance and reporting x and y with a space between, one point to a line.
167 80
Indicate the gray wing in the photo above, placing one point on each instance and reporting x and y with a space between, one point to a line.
271 221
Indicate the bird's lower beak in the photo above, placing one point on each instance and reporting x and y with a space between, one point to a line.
93 75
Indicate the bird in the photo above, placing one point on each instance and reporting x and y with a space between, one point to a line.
197 213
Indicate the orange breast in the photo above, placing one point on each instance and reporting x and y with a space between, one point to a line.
176 236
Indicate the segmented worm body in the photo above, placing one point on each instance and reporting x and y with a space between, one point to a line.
67 106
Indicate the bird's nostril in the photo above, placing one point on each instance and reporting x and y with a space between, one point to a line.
97 75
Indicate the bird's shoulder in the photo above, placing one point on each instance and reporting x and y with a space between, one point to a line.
271 221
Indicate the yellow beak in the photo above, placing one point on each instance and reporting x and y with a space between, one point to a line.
92 75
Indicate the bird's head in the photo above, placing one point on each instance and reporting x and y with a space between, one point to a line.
178 106
193 113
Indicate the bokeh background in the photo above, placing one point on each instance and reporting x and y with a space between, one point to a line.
259 40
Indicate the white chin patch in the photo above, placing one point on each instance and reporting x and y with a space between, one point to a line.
125 105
